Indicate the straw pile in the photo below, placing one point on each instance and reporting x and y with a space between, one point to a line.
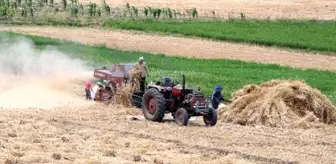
279 103
123 93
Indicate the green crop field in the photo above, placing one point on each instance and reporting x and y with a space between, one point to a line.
305 35
207 74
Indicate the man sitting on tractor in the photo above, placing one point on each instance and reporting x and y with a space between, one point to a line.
143 70
217 97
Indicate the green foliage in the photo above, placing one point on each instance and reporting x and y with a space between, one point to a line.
65 3
51 2
14 5
90 9
194 13
81 8
31 12
93 9
146 11
40 3
30 3
156 12
24 12
74 10
11 12
135 11
3 11
107 8
242 16
306 35
98 12
231 74
169 13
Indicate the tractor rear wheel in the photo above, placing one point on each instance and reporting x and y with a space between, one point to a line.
182 117
211 118
153 105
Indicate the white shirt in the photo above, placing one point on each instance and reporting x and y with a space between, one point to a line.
94 91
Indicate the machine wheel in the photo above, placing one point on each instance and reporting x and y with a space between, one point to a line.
153 105
174 113
106 97
210 119
182 117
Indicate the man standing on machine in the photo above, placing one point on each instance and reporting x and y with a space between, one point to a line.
143 70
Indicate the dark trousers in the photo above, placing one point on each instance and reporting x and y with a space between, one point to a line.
215 104
88 94
142 83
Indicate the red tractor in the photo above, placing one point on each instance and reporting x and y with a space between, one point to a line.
168 97
163 97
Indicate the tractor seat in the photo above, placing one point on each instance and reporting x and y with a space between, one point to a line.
166 82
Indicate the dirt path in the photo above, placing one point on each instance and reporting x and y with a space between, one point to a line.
189 47
104 135
308 9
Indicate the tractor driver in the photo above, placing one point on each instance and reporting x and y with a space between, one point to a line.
143 69
217 97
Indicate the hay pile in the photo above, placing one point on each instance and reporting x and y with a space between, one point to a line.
279 103
123 93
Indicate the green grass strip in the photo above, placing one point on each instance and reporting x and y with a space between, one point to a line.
294 34
207 74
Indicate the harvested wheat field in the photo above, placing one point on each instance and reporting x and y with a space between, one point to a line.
273 9
279 103
180 46
99 134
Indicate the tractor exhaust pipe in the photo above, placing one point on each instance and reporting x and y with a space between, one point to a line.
183 85
183 82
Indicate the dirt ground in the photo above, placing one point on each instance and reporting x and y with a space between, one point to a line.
273 9
106 135
181 46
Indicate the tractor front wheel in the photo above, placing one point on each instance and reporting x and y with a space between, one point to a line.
182 117
153 105
211 118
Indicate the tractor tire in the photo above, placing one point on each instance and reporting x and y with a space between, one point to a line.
211 119
153 105
182 117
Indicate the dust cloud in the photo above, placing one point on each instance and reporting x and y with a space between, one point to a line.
34 78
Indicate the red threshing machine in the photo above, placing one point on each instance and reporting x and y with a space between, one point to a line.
118 75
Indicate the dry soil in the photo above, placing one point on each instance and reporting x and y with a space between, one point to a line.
98 134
